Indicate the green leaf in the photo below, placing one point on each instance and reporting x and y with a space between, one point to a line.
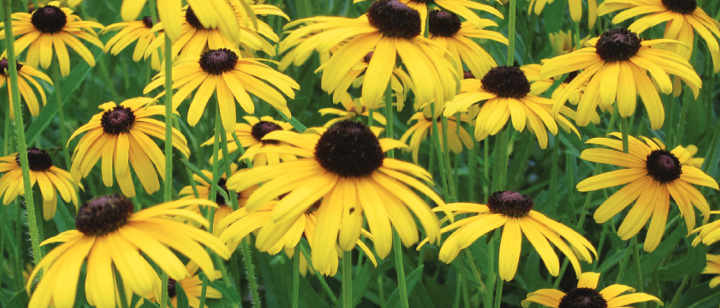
411 280
182 299
19 300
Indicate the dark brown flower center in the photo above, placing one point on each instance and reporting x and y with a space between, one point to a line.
442 23
192 19
171 287
571 76
5 67
368 57
506 81
49 19
219 199
617 45
583 298
147 21
394 19
262 128
663 166
468 75
117 120
349 149
38 160
103 215
680 6
218 61
510 203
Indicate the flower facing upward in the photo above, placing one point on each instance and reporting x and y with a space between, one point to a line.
684 18
52 26
25 80
221 71
503 95
131 31
120 134
652 175
110 237
513 212
616 69
389 29
50 179
587 296
575 7
346 167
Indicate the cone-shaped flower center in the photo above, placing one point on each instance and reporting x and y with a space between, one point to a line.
117 120
583 298
349 149
103 215
147 21
192 19
394 19
510 203
663 166
506 81
218 61
49 19
617 45
570 77
5 67
680 6
443 23
219 199
171 287
39 160
262 128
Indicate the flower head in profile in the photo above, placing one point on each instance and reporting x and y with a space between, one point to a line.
139 31
120 135
390 29
616 68
222 72
575 7
713 268
585 295
191 286
651 175
458 137
503 94
539 85
562 42
352 109
346 167
26 83
513 212
684 19
111 238
53 28
51 180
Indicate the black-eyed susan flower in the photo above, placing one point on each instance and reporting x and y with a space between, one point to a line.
575 7
353 108
463 8
708 233
221 71
120 135
503 94
713 268
346 168
251 135
191 286
139 31
53 28
26 83
562 42
110 237
539 85
51 180
513 212
391 30
684 19
458 137
616 68
587 296
652 175
457 37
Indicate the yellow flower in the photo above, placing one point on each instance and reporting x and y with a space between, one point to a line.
354 108
131 31
713 267
457 136
110 237
586 295
52 181
513 212
575 7
616 68
461 7
52 28
26 78
562 42
652 175
191 286
120 134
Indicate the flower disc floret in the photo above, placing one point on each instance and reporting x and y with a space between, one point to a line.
218 61
39 160
103 215
49 19
663 166
262 128
349 149
617 45
147 22
192 19
443 23
219 199
506 81
171 287
394 19
583 298
117 120
510 203
4 67
681 6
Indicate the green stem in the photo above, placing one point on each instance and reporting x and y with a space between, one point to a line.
439 150
167 188
498 293
511 33
347 279
472 158
458 288
250 269
20 131
389 118
400 268
490 282
296 277
501 159
679 291
304 248
381 290
486 168
121 290
61 113
638 268
446 160
624 129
